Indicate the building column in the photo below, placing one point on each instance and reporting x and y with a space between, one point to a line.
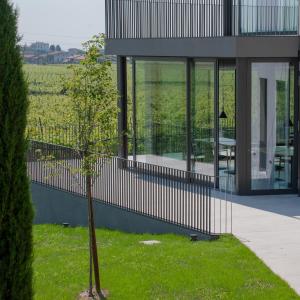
296 171
299 18
243 126
122 115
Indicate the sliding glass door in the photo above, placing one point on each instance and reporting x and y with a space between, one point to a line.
213 137
160 112
203 118
226 126
272 126
184 117
162 107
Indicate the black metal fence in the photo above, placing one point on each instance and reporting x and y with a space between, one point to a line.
67 135
165 138
171 195
271 17
199 18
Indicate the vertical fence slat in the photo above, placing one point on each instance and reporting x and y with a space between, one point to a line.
196 18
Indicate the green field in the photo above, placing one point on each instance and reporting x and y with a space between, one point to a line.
174 269
49 115
48 105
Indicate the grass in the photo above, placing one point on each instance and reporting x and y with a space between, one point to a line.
174 269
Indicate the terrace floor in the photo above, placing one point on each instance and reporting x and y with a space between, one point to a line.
270 227
175 161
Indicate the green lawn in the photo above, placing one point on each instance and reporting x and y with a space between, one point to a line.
174 269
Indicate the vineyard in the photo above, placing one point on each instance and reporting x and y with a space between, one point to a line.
48 102
49 117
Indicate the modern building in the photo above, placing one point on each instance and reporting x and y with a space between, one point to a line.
210 86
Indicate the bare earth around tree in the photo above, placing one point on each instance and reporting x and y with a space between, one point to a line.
85 295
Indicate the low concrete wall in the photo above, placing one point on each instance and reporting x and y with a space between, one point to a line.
53 206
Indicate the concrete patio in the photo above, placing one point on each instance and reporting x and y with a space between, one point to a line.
270 226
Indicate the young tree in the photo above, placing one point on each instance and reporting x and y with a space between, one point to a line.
16 212
93 98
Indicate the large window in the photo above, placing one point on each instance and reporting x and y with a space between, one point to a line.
202 118
160 116
227 133
161 112
272 126
159 134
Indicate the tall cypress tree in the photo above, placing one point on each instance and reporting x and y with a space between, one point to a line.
16 212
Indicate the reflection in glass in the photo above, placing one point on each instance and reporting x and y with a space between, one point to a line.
130 113
272 134
227 138
267 16
161 113
202 118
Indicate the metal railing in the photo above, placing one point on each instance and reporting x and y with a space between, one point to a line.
66 135
136 19
271 17
178 197
165 137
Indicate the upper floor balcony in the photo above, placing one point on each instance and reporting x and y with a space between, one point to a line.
179 19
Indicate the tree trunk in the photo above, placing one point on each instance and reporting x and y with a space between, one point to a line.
91 262
93 234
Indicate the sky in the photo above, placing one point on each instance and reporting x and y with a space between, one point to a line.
64 22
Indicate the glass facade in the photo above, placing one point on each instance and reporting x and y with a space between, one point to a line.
161 112
130 113
203 118
159 132
272 134
227 116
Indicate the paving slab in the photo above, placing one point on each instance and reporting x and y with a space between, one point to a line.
270 227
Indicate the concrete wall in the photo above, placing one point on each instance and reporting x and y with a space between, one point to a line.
56 207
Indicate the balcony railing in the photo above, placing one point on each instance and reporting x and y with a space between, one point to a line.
136 19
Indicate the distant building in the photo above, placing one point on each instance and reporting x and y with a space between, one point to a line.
41 53
74 59
56 57
40 47
75 51
29 58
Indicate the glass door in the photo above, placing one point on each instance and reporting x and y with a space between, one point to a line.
213 139
160 112
202 118
226 127
272 126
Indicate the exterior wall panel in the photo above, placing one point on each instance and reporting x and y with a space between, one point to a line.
221 47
